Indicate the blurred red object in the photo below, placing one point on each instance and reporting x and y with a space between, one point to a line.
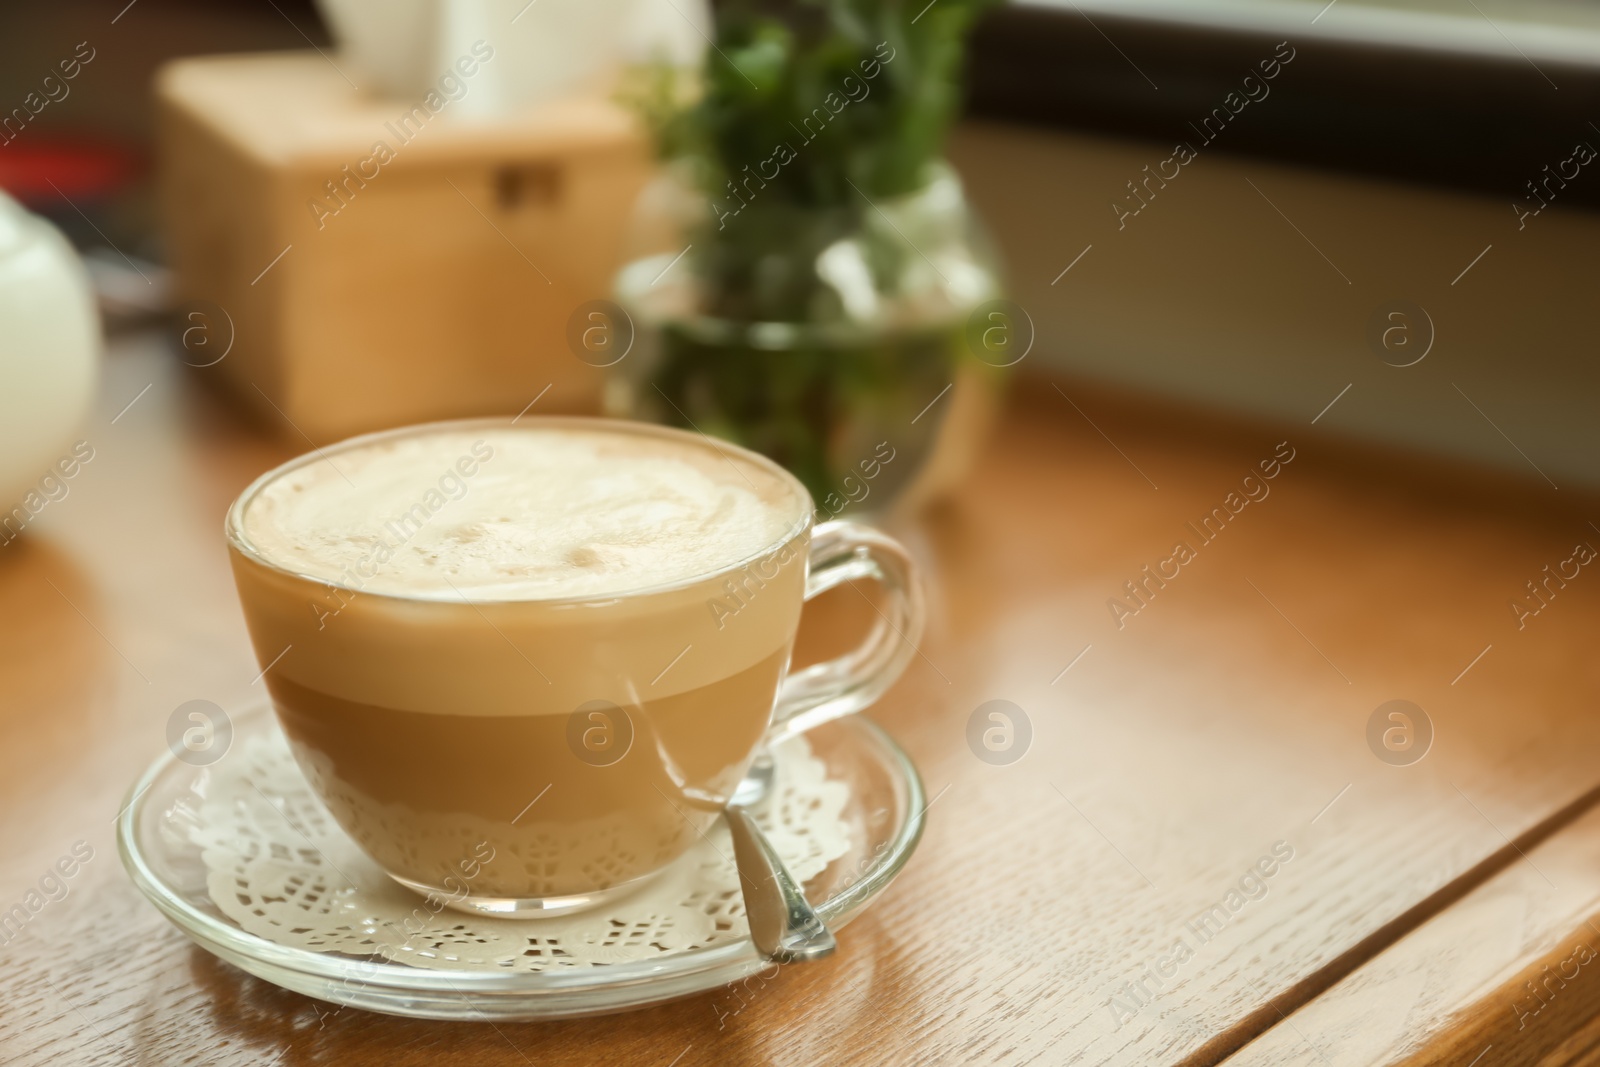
39 172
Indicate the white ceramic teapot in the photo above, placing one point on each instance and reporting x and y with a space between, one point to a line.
49 355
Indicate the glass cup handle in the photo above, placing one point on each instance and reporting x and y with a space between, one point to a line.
842 552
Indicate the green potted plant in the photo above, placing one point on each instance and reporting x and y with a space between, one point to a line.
806 270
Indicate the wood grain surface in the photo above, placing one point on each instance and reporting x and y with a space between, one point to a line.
1508 973
1219 733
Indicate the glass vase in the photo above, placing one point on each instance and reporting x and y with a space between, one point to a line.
847 342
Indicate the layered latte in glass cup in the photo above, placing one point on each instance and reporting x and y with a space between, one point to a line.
525 664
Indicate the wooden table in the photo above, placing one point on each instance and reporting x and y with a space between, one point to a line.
1219 732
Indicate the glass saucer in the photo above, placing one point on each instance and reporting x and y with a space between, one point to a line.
884 814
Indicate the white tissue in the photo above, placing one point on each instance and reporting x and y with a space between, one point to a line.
542 49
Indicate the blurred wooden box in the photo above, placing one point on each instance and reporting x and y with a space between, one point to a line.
367 286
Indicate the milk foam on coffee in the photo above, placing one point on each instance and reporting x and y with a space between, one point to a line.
514 513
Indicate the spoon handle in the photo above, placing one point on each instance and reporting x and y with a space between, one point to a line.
783 925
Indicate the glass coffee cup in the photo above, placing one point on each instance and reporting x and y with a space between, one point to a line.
526 664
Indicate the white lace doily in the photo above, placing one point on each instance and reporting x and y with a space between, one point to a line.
279 866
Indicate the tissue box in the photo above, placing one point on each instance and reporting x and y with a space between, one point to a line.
376 262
